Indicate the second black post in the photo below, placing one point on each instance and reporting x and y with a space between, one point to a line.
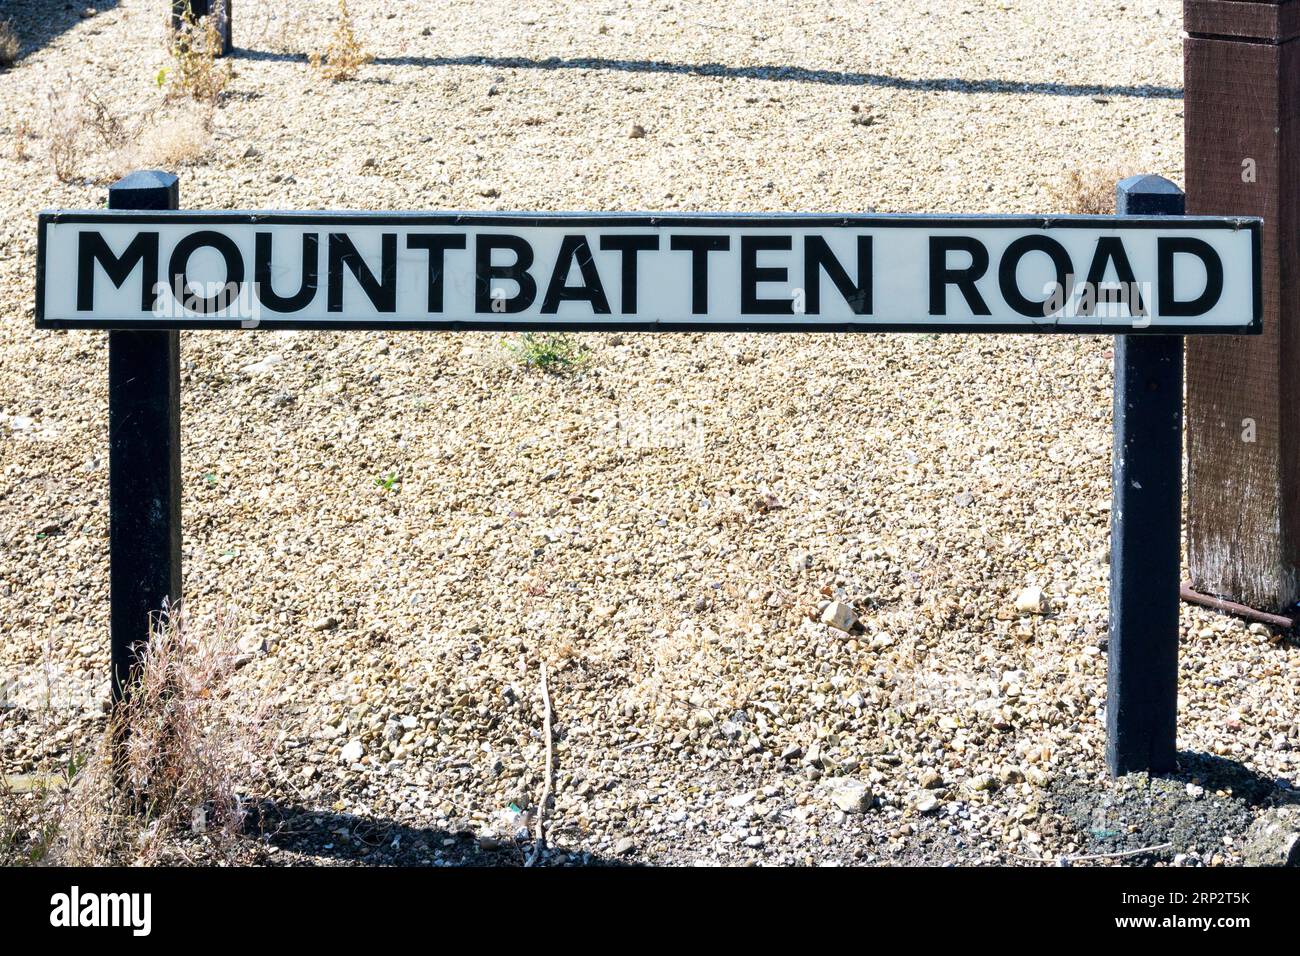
1145 528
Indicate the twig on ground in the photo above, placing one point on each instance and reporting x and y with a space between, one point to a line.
628 748
1118 853
540 845
1084 857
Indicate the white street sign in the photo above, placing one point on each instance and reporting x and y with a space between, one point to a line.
1100 274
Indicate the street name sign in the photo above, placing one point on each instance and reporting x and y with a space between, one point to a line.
615 271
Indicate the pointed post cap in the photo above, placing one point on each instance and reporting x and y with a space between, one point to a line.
1149 195
145 189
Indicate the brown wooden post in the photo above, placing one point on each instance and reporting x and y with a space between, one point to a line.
1242 116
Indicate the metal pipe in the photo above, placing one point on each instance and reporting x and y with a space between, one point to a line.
1232 607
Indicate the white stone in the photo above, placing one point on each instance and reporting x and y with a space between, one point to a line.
1031 601
839 616
849 794
352 751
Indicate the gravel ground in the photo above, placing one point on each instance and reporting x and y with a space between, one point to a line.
663 526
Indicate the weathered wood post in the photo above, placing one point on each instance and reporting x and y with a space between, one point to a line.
199 9
144 460
1242 118
1145 528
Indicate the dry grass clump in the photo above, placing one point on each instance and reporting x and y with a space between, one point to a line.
196 72
175 138
189 747
85 138
107 126
30 810
65 118
10 45
344 56
1089 191
21 133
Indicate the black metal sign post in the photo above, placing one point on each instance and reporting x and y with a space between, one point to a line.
132 270
1145 528
144 460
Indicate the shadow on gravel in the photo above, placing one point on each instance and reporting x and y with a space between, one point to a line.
343 839
40 21
783 74
1188 812
1220 773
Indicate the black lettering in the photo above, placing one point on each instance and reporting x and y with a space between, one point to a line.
381 291
179 264
751 274
485 272
818 258
436 246
1111 249
575 249
1034 308
699 247
262 272
942 276
629 246
1168 248
142 250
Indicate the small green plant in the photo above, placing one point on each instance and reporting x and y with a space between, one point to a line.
388 482
194 48
548 351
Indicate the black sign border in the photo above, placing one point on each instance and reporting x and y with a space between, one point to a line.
652 220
